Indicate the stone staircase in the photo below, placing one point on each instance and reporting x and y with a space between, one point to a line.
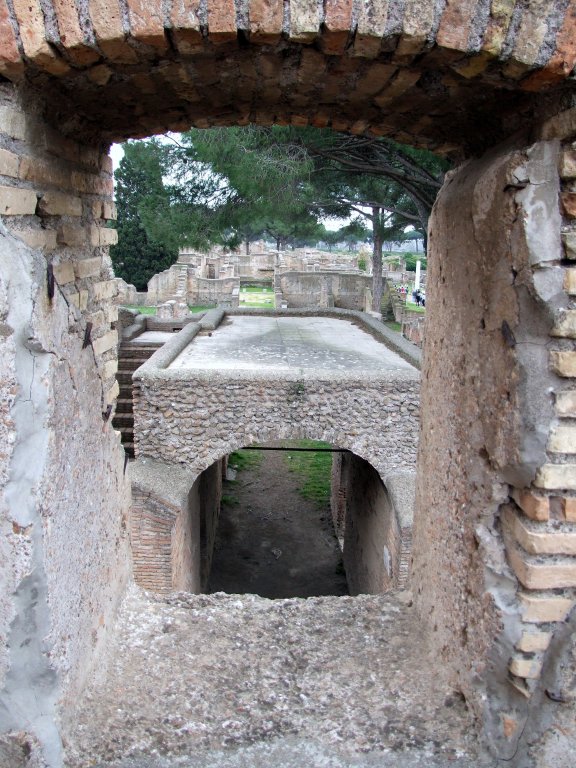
130 357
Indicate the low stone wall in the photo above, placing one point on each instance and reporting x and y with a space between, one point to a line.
223 291
309 289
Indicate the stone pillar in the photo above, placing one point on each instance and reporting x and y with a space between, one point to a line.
494 564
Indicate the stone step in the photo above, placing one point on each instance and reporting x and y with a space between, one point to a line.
139 351
124 404
130 363
129 448
123 421
124 377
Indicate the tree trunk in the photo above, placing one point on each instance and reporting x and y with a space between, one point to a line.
377 285
247 246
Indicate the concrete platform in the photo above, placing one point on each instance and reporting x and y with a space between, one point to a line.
288 343
230 681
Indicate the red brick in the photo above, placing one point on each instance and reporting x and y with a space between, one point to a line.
569 509
107 23
147 24
304 20
10 61
416 26
455 24
266 18
33 36
185 25
372 19
534 506
569 204
221 21
71 35
337 22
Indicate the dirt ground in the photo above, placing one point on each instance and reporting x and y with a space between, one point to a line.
273 542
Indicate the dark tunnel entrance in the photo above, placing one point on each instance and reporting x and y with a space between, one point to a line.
275 535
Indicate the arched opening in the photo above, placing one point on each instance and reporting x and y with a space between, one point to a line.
275 536
494 555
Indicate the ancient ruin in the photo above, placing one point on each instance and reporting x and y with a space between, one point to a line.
493 572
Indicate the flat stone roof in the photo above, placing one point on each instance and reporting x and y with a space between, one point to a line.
286 343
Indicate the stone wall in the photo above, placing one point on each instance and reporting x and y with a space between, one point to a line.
376 544
306 289
64 498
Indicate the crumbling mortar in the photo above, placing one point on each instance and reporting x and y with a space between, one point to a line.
50 23
553 21
479 25
513 27
394 18
439 7
83 10
15 26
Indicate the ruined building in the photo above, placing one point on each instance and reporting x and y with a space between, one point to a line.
493 570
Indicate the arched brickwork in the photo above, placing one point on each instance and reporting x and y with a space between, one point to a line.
447 75
457 77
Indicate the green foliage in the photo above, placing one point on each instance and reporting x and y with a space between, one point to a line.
411 259
314 468
138 256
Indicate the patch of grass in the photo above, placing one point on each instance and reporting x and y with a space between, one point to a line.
142 310
243 459
393 325
256 298
200 307
314 469
413 307
229 499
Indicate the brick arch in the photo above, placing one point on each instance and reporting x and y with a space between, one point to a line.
168 513
445 77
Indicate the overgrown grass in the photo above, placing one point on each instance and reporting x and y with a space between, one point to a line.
200 307
393 325
314 469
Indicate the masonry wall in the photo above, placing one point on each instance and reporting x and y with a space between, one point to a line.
304 289
201 290
64 498
372 536
494 571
